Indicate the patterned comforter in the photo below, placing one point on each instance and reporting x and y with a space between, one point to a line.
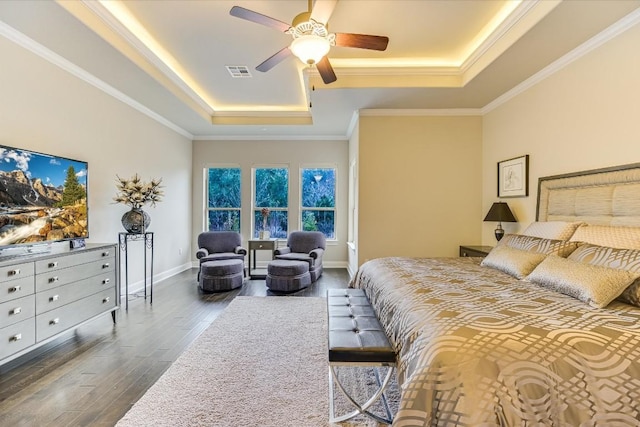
478 347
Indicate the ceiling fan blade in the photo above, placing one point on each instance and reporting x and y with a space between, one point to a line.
322 10
362 41
326 71
275 59
258 18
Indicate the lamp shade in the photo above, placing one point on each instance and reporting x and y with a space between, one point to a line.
310 48
500 212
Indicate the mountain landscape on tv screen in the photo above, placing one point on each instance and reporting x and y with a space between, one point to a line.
34 211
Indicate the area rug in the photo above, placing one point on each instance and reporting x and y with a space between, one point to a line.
262 362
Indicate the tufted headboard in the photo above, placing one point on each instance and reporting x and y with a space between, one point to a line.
609 196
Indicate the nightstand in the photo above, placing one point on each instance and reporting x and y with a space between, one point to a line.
477 251
259 245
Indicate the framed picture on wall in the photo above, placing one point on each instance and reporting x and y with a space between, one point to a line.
513 177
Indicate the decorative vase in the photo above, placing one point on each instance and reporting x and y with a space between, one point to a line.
136 221
264 235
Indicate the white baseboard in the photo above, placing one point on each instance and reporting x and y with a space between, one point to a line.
157 278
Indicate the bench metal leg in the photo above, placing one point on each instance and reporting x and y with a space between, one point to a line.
360 409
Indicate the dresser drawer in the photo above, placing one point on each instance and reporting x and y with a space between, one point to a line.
17 337
65 317
59 277
17 310
62 295
74 258
16 271
18 288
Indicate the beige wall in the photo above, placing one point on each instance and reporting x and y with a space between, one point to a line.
293 154
44 108
585 116
419 187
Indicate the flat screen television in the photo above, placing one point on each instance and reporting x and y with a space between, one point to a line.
43 198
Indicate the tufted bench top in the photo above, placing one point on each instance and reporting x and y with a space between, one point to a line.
355 335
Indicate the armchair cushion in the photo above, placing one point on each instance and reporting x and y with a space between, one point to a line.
220 241
297 257
221 256
282 251
306 241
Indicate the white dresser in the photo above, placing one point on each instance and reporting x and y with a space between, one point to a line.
42 296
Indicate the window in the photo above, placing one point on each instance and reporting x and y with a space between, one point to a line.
271 192
319 200
223 199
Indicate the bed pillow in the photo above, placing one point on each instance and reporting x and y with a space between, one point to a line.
560 230
593 284
536 244
514 262
621 259
608 235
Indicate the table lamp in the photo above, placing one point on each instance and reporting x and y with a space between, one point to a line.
500 212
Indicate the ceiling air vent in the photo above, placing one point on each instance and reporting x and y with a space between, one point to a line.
238 71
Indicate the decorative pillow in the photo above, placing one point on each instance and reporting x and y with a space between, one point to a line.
608 235
593 284
560 230
536 244
515 262
621 259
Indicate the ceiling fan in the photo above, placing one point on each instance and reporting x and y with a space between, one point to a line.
311 38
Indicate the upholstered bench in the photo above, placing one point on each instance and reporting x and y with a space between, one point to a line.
287 275
221 275
356 338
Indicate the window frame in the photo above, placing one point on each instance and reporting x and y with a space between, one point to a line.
255 208
334 209
207 208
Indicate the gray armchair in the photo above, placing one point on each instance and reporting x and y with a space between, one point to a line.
219 245
305 246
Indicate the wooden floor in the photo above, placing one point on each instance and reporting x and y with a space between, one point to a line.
91 377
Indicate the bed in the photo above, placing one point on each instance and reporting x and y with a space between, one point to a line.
544 331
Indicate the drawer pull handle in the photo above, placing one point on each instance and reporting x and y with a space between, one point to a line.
14 272
53 279
16 310
54 321
16 337
105 281
105 253
54 298
105 265
105 300
15 288
53 264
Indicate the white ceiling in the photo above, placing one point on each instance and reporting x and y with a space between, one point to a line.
170 56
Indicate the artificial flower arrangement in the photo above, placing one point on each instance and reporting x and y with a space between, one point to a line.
136 193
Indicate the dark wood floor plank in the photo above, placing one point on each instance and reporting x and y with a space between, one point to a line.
93 376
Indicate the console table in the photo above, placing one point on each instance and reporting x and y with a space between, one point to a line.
259 245
147 239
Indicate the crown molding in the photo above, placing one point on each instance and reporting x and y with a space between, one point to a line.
36 48
422 112
251 138
596 41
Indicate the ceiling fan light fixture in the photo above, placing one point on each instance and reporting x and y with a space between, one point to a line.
310 48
